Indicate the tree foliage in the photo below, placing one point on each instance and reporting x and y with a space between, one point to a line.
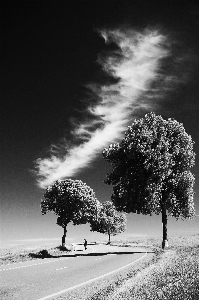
151 167
70 200
109 220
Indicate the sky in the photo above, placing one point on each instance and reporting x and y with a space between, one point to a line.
74 75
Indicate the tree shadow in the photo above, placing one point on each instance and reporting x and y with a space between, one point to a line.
106 253
45 254
41 254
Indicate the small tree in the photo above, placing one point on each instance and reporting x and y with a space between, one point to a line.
109 220
151 170
71 200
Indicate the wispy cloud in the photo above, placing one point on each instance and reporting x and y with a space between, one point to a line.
135 66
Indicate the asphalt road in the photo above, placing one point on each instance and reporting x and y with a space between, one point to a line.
37 279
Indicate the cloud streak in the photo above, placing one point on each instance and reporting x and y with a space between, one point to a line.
134 66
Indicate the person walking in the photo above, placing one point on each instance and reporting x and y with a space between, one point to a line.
85 244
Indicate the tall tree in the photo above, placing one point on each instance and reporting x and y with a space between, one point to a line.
70 200
151 170
109 220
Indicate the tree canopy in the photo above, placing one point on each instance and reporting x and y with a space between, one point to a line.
109 220
151 168
70 200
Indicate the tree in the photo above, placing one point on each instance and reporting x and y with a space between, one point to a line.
151 170
71 200
109 220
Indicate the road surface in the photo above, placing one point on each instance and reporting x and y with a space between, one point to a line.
37 279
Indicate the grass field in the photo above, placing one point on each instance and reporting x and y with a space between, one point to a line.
172 274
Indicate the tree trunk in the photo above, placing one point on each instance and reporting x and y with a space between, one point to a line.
109 238
64 237
164 226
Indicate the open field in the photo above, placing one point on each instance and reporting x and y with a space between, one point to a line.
170 274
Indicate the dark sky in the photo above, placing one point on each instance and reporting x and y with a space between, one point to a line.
49 53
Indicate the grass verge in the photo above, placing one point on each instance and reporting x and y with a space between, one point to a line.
27 253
